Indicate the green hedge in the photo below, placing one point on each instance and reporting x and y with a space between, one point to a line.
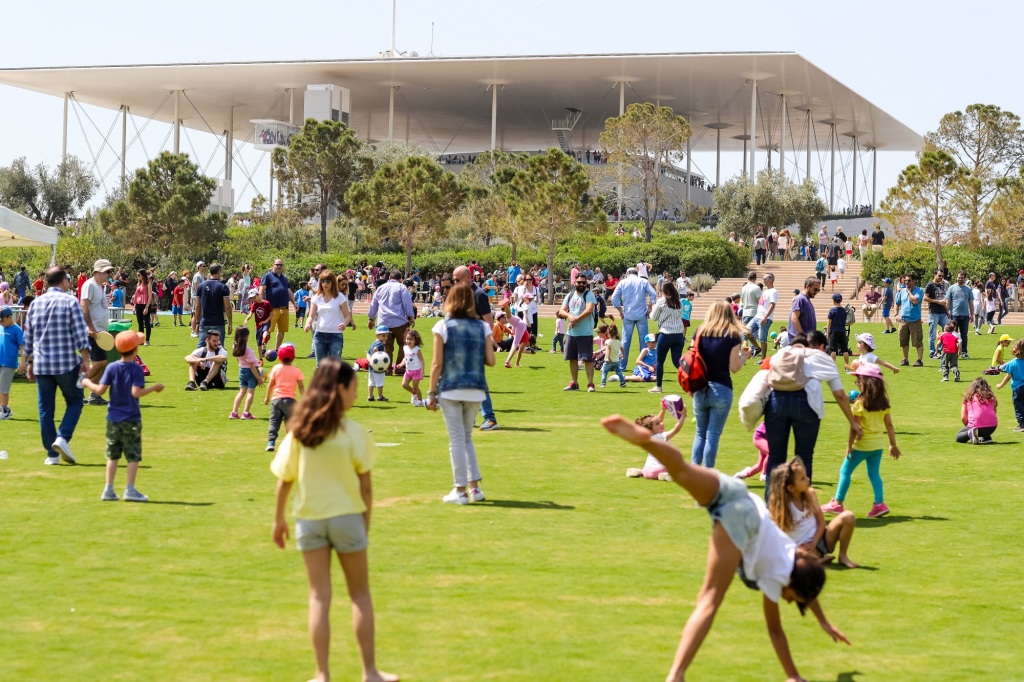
902 258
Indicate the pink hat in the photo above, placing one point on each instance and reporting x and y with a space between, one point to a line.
868 369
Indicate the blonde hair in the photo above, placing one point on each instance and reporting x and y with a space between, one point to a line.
722 321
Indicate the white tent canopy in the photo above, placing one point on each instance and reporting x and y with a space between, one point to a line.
17 230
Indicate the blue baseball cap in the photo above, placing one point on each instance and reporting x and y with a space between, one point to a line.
6 312
649 338
887 280
382 329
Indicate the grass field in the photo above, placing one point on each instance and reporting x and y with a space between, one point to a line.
569 571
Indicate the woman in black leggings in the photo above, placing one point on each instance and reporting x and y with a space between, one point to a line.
141 299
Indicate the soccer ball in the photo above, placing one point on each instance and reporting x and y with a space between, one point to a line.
271 355
380 361
774 335
673 404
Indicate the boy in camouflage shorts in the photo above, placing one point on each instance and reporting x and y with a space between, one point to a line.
127 384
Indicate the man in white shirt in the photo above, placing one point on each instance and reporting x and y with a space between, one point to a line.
97 317
749 295
763 317
683 284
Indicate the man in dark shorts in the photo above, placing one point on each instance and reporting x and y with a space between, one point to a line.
578 312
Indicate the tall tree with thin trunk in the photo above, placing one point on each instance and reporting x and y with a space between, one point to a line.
641 141
408 201
494 207
49 196
320 164
773 201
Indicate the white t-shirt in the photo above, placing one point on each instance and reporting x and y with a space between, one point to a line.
783 242
768 296
469 395
783 337
93 293
769 555
819 367
412 358
805 525
641 269
330 317
652 463
683 286
869 357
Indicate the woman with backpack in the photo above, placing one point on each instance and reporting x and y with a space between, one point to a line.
719 344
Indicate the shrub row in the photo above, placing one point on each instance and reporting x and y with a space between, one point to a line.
920 259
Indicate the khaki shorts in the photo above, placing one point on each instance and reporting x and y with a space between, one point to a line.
911 333
279 319
345 534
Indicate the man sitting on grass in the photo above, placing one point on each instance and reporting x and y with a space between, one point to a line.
207 364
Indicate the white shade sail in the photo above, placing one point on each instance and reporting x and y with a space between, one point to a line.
17 230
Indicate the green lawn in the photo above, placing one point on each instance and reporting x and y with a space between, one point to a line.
569 571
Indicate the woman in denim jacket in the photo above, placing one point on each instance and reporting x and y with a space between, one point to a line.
458 385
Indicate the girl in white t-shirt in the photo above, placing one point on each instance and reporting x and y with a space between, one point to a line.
655 423
413 364
866 353
794 508
743 538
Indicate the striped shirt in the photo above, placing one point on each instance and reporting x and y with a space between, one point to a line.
54 333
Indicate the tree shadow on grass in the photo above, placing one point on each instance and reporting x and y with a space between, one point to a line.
182 504
525 504
843 677
890 519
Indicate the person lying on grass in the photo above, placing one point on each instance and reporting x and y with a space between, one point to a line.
744 539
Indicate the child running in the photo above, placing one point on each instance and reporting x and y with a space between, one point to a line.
328 458
793 504
872 412
646 362
284 381
761 443
249 374
1014 370
866 352
127 384
655 423
413 364
612 356
978 414
376 379
520 338
744 539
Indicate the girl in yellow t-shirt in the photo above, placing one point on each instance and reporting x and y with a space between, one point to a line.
872 411
328 459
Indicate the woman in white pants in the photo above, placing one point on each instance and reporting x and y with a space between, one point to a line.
462 347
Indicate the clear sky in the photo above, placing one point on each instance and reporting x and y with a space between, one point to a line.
915 60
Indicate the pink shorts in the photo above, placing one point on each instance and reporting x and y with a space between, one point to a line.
414 374
652 474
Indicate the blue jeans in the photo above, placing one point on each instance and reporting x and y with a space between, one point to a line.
627 337
669 343
327 345
609 367
205 328
935 320
46 386
759 330
711 408
487 409
1018 405
787 410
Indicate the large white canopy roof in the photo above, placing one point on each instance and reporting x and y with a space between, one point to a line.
444 104
17 230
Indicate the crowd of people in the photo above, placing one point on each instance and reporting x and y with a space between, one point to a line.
779 543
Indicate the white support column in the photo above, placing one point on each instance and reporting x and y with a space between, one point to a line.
832 172
291 106
853 196
874 178
688 166
782 140
753 129
177 122
718 157
807 170
494 115
64 137
124 142
391 115
746 157
229 145
622 110
270 192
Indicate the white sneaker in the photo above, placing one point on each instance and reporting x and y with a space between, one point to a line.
194 335
63 449
633 472
455 497
665 476
5 413
109 496
412 400
476 495
51 461
134 496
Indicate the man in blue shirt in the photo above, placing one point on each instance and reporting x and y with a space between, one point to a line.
578 311
634 297
908 311
513 272
274 288
958 301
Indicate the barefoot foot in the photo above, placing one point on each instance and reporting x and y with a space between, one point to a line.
845 561
381 676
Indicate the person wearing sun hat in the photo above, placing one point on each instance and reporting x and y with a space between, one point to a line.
997 357
97 317
127 384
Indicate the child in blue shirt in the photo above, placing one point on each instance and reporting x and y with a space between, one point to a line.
301 296
12 342
117 296
376 379
686 308
1014 370
127 384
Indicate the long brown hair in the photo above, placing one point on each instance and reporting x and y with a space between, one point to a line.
328 276
671 294
320 413
980 389
872 394
778 496
460 302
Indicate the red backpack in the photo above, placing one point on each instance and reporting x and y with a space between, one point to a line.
693 373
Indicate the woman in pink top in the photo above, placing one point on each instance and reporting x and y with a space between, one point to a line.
142 300
978 414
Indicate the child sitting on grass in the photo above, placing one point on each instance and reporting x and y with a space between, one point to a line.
997 357
978 414
124 419
655 423
793 505
646 362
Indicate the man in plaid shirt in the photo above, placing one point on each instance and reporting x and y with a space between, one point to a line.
55 334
